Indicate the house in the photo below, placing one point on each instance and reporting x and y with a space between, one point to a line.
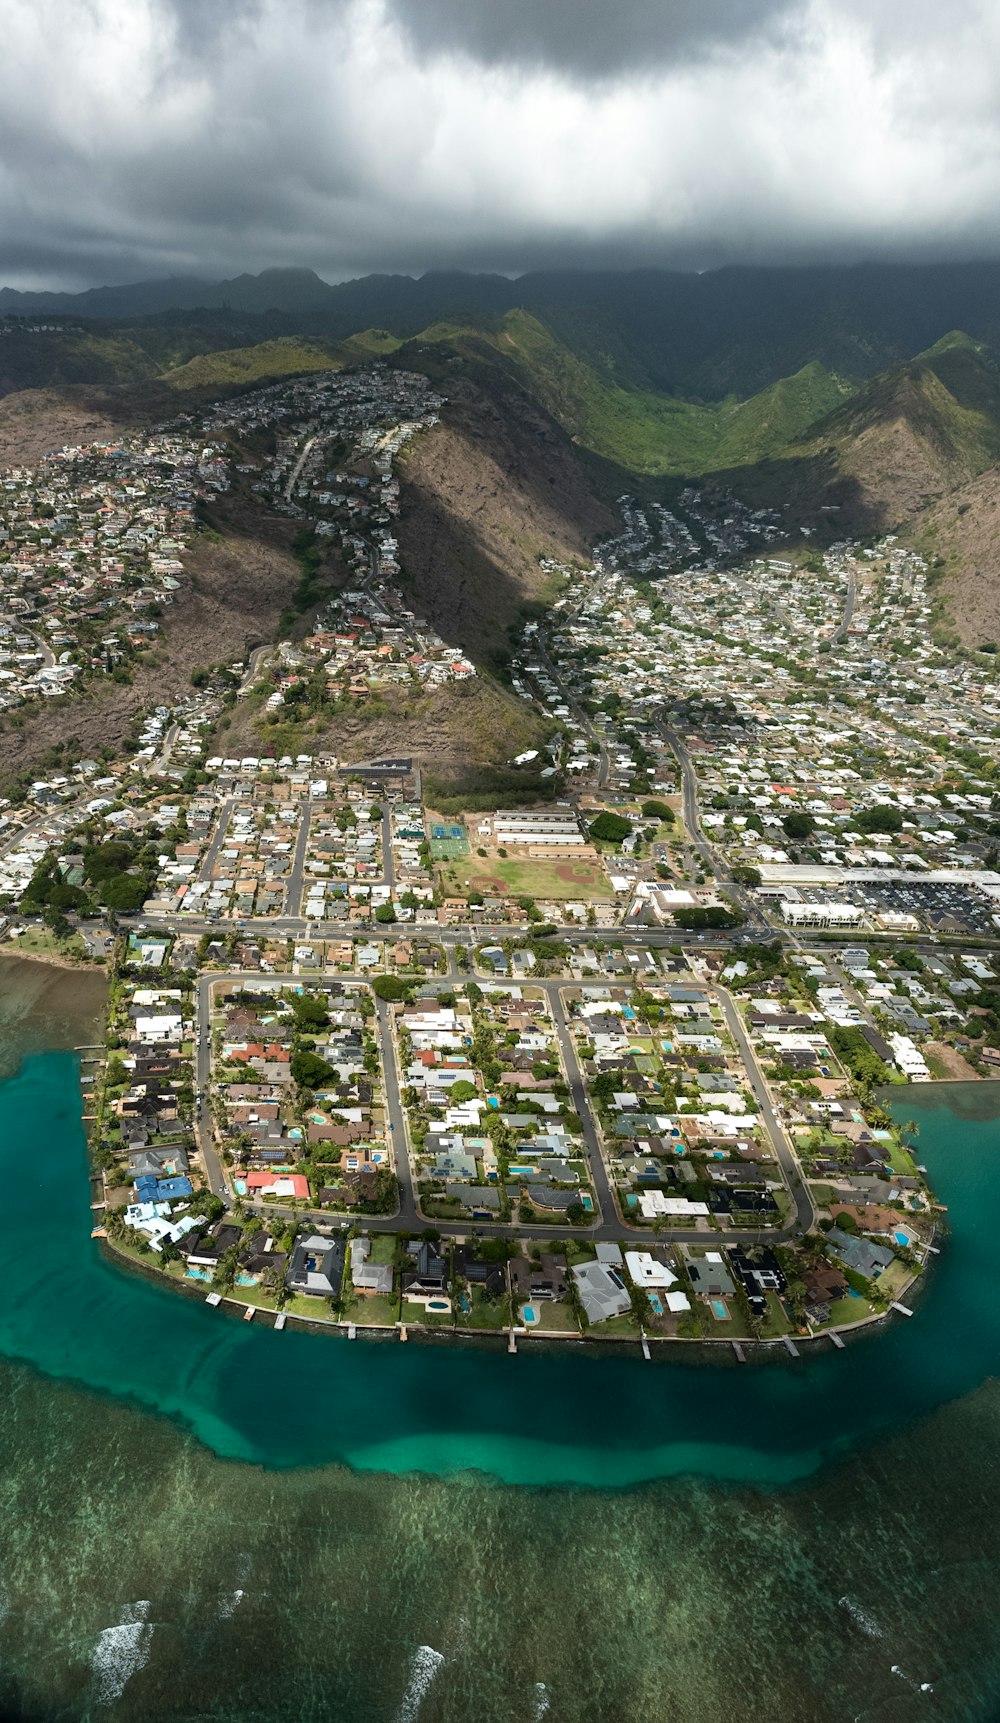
487 1275
824 1284
646 1270
369 1276
317 1266
153 1190
429 1273
709 1275
158 1163
601 1291
859 1254
278 1185
478 1199
758 1276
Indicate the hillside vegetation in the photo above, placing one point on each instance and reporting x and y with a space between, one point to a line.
848 399
642 430
287 356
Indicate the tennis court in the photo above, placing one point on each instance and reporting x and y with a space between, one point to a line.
448 842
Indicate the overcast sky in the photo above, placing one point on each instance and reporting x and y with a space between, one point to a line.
142 138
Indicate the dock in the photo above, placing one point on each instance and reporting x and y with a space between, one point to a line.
903 1311
279 1321
645 1346
214 1298
838 1343
352 1332
511 1342
790 1345
402 1331
741 1356
249 1313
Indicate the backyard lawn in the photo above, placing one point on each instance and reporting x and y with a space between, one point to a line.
485 1312
554 1318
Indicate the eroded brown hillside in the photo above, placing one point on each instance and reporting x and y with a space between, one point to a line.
963 531
231 599
484 494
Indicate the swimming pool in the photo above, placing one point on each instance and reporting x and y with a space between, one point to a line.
587 1202
530 1315
903 1238
240 1187
654 1304
720 1309
197 1274
439 1304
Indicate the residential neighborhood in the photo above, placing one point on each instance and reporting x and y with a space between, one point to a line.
611 1059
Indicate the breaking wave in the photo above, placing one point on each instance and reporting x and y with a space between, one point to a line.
862 1618
423 1668
120 1653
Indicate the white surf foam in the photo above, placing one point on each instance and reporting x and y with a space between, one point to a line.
121 1651
542 1702
863 1618
424 1666
229 1605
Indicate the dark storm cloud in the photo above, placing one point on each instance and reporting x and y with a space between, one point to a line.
592 39
156 137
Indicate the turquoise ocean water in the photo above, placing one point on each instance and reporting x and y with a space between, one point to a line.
200 1518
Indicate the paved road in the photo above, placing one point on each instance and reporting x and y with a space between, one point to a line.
293 892
607 1207
407 1213
300 463
218 839
714 863
203 1129
254 662
629 936
805 1208
388 861
582 718
852 587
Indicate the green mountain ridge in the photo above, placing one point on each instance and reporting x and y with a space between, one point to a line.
932 423
640 430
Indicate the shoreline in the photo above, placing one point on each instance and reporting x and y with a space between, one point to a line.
511 1336
52 959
